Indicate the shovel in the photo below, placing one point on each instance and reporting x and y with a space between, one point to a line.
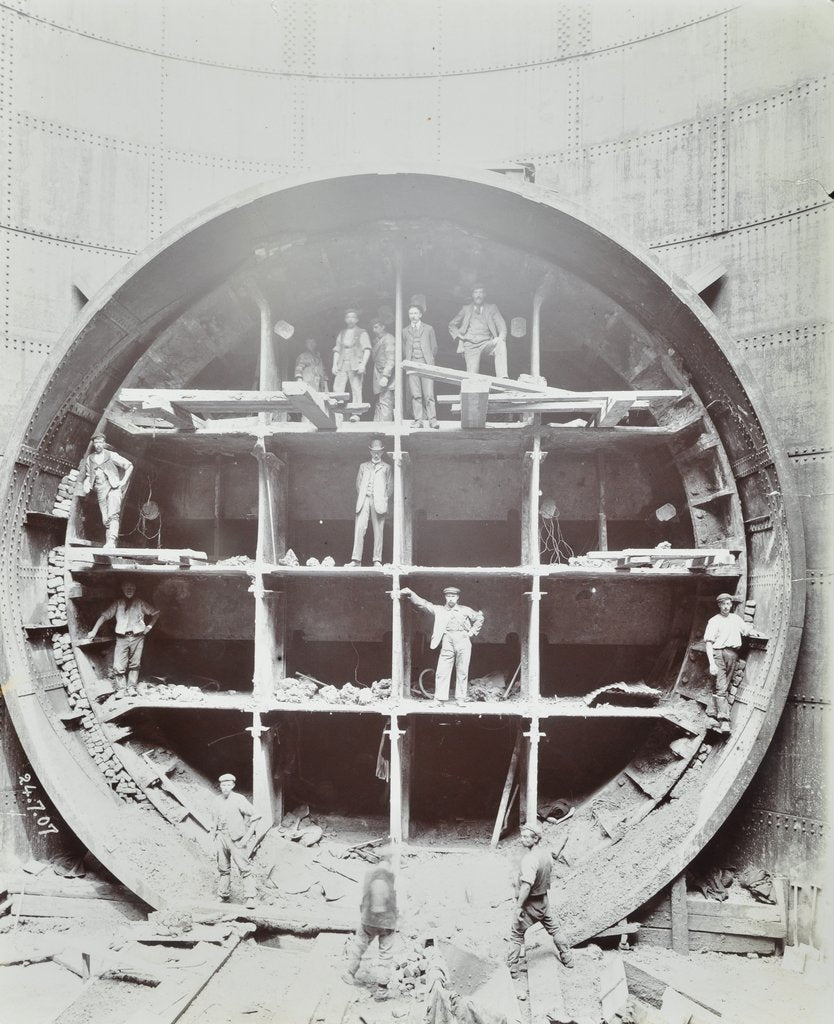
793 958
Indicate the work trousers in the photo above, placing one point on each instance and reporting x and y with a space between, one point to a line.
422 397
127 655
726 660
384 408
229 852
340 381
361 527
535 911
472 356
365 935
110 506
455 652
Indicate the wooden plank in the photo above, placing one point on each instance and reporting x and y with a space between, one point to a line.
613 987
544 979
206 402
27 905
680 916
504 803
474 399
754 911
678 1009
169 1001
615 411
311 404
737 924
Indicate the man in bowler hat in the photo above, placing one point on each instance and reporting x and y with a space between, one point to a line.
373 490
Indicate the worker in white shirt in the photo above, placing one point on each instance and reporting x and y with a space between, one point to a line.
722 639
134 620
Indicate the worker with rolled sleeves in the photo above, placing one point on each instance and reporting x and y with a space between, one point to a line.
454 626
722 639
234 827
532 905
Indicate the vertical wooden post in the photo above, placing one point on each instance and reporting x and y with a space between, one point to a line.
397 643
263 791
602 540
540 295
270 373
273 477
398 339
406 754
531 794
218 463
530 502
270 639
680 915
406 552
396 781
530 685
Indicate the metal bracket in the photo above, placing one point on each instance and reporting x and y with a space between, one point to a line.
751 463
759 524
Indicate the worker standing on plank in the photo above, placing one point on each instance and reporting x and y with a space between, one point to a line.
722 639
479 330
454 627
135 618
532 902
108 474
377 920
234 827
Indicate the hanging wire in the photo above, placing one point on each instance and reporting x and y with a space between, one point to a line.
554 548
148 512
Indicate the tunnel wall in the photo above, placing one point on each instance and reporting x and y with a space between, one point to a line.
697 129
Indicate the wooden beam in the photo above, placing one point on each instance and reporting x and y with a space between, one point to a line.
310 404
263 790
474 398
680 916
504 803
205 402
615 411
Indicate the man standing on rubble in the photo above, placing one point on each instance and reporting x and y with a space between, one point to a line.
377 920
135 618
234 827
532 903
722 639
454 627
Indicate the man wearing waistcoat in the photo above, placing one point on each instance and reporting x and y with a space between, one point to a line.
454 627
309 366
479 329
420 345
350 357
108 474
373 489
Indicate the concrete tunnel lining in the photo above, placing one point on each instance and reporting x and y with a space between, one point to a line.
112 331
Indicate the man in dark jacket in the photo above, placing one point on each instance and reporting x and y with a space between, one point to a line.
377 920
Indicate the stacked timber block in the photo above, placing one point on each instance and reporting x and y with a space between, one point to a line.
57 599
65 495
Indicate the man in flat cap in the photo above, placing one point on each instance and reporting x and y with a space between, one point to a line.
384 357
722 639
454 627
350 357
479 330
108 474
374 483
234 827
532 904
309 366
420 346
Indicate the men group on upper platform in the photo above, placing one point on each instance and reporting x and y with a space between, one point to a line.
478 328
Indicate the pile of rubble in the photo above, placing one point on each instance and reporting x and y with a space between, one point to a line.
305 689
65 494
169 691
97 743
57 600
244 561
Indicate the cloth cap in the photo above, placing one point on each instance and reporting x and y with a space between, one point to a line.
724 597
452 590
228 777
532 826
376 445
353 309
99 434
